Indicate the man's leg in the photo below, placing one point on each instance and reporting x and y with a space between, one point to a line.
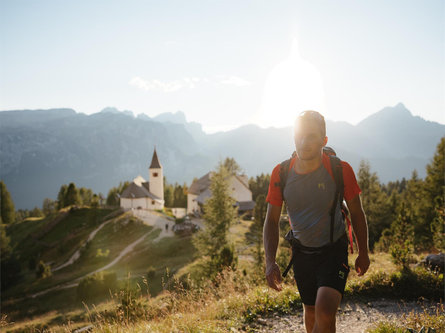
309 317
326 305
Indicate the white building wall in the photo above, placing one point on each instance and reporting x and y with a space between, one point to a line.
239 191
192 204
141 203
179 212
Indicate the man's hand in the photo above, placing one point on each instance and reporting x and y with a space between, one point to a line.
273 276
362 264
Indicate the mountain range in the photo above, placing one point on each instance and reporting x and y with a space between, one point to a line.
42 149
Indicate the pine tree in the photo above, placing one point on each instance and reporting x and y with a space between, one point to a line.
72 195
375 203
48 206
232 166
259 185
219 214
434 208
6 205
257 227
413 199
115 192
180 196
9 264
168 194
61 197
402 238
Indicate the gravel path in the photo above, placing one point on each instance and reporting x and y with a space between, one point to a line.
352 317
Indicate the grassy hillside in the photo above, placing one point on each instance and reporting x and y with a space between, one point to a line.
161 301
46 238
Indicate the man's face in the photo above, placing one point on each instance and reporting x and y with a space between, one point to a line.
309 141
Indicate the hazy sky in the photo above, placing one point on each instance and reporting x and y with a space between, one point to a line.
225 63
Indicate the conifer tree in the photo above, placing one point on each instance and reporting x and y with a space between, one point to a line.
434 208
258 224
232 166
180 196
48 206
61 197
259 185
219 214
72 195
168 194
402 238
375 203
6 205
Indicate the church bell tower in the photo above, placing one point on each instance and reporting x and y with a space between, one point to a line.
156 177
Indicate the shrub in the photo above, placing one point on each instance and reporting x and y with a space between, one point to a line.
405 284
102 254
226 258
96 285
151 273
402 241
43 271
131 307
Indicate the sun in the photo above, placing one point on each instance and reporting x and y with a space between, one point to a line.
292 86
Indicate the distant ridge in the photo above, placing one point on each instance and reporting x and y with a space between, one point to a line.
42 149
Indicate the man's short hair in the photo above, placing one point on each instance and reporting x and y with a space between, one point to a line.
312 117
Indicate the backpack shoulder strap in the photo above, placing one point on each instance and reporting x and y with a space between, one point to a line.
337 172
284 173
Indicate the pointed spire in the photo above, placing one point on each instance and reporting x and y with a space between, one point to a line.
154 161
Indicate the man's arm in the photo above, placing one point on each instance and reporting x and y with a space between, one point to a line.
360 226
271 236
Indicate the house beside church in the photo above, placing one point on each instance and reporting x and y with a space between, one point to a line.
142 194
199 192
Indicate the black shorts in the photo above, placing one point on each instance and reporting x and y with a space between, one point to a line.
328 269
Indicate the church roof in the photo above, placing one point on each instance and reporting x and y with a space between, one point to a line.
138 191
154 161
200 185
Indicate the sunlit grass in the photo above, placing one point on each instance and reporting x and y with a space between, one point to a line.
234 300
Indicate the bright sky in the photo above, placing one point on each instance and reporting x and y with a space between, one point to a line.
225 63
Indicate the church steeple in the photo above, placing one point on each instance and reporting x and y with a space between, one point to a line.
155 162
156 179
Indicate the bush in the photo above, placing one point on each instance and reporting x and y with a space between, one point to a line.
130 308
226 258
96 285
151 273
405 284
43 271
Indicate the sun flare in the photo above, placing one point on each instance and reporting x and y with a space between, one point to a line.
294 85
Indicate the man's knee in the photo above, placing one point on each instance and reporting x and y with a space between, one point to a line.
328 300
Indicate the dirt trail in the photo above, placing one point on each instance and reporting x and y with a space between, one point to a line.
76 255
147 217
352 317
156 221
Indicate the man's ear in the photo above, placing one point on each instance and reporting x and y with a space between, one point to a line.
325 141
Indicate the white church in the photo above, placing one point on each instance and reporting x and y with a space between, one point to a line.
141 194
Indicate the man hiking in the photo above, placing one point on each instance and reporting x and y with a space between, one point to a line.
318 238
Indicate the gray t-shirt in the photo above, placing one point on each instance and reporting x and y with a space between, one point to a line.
309 200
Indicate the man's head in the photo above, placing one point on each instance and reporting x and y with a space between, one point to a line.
309 135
